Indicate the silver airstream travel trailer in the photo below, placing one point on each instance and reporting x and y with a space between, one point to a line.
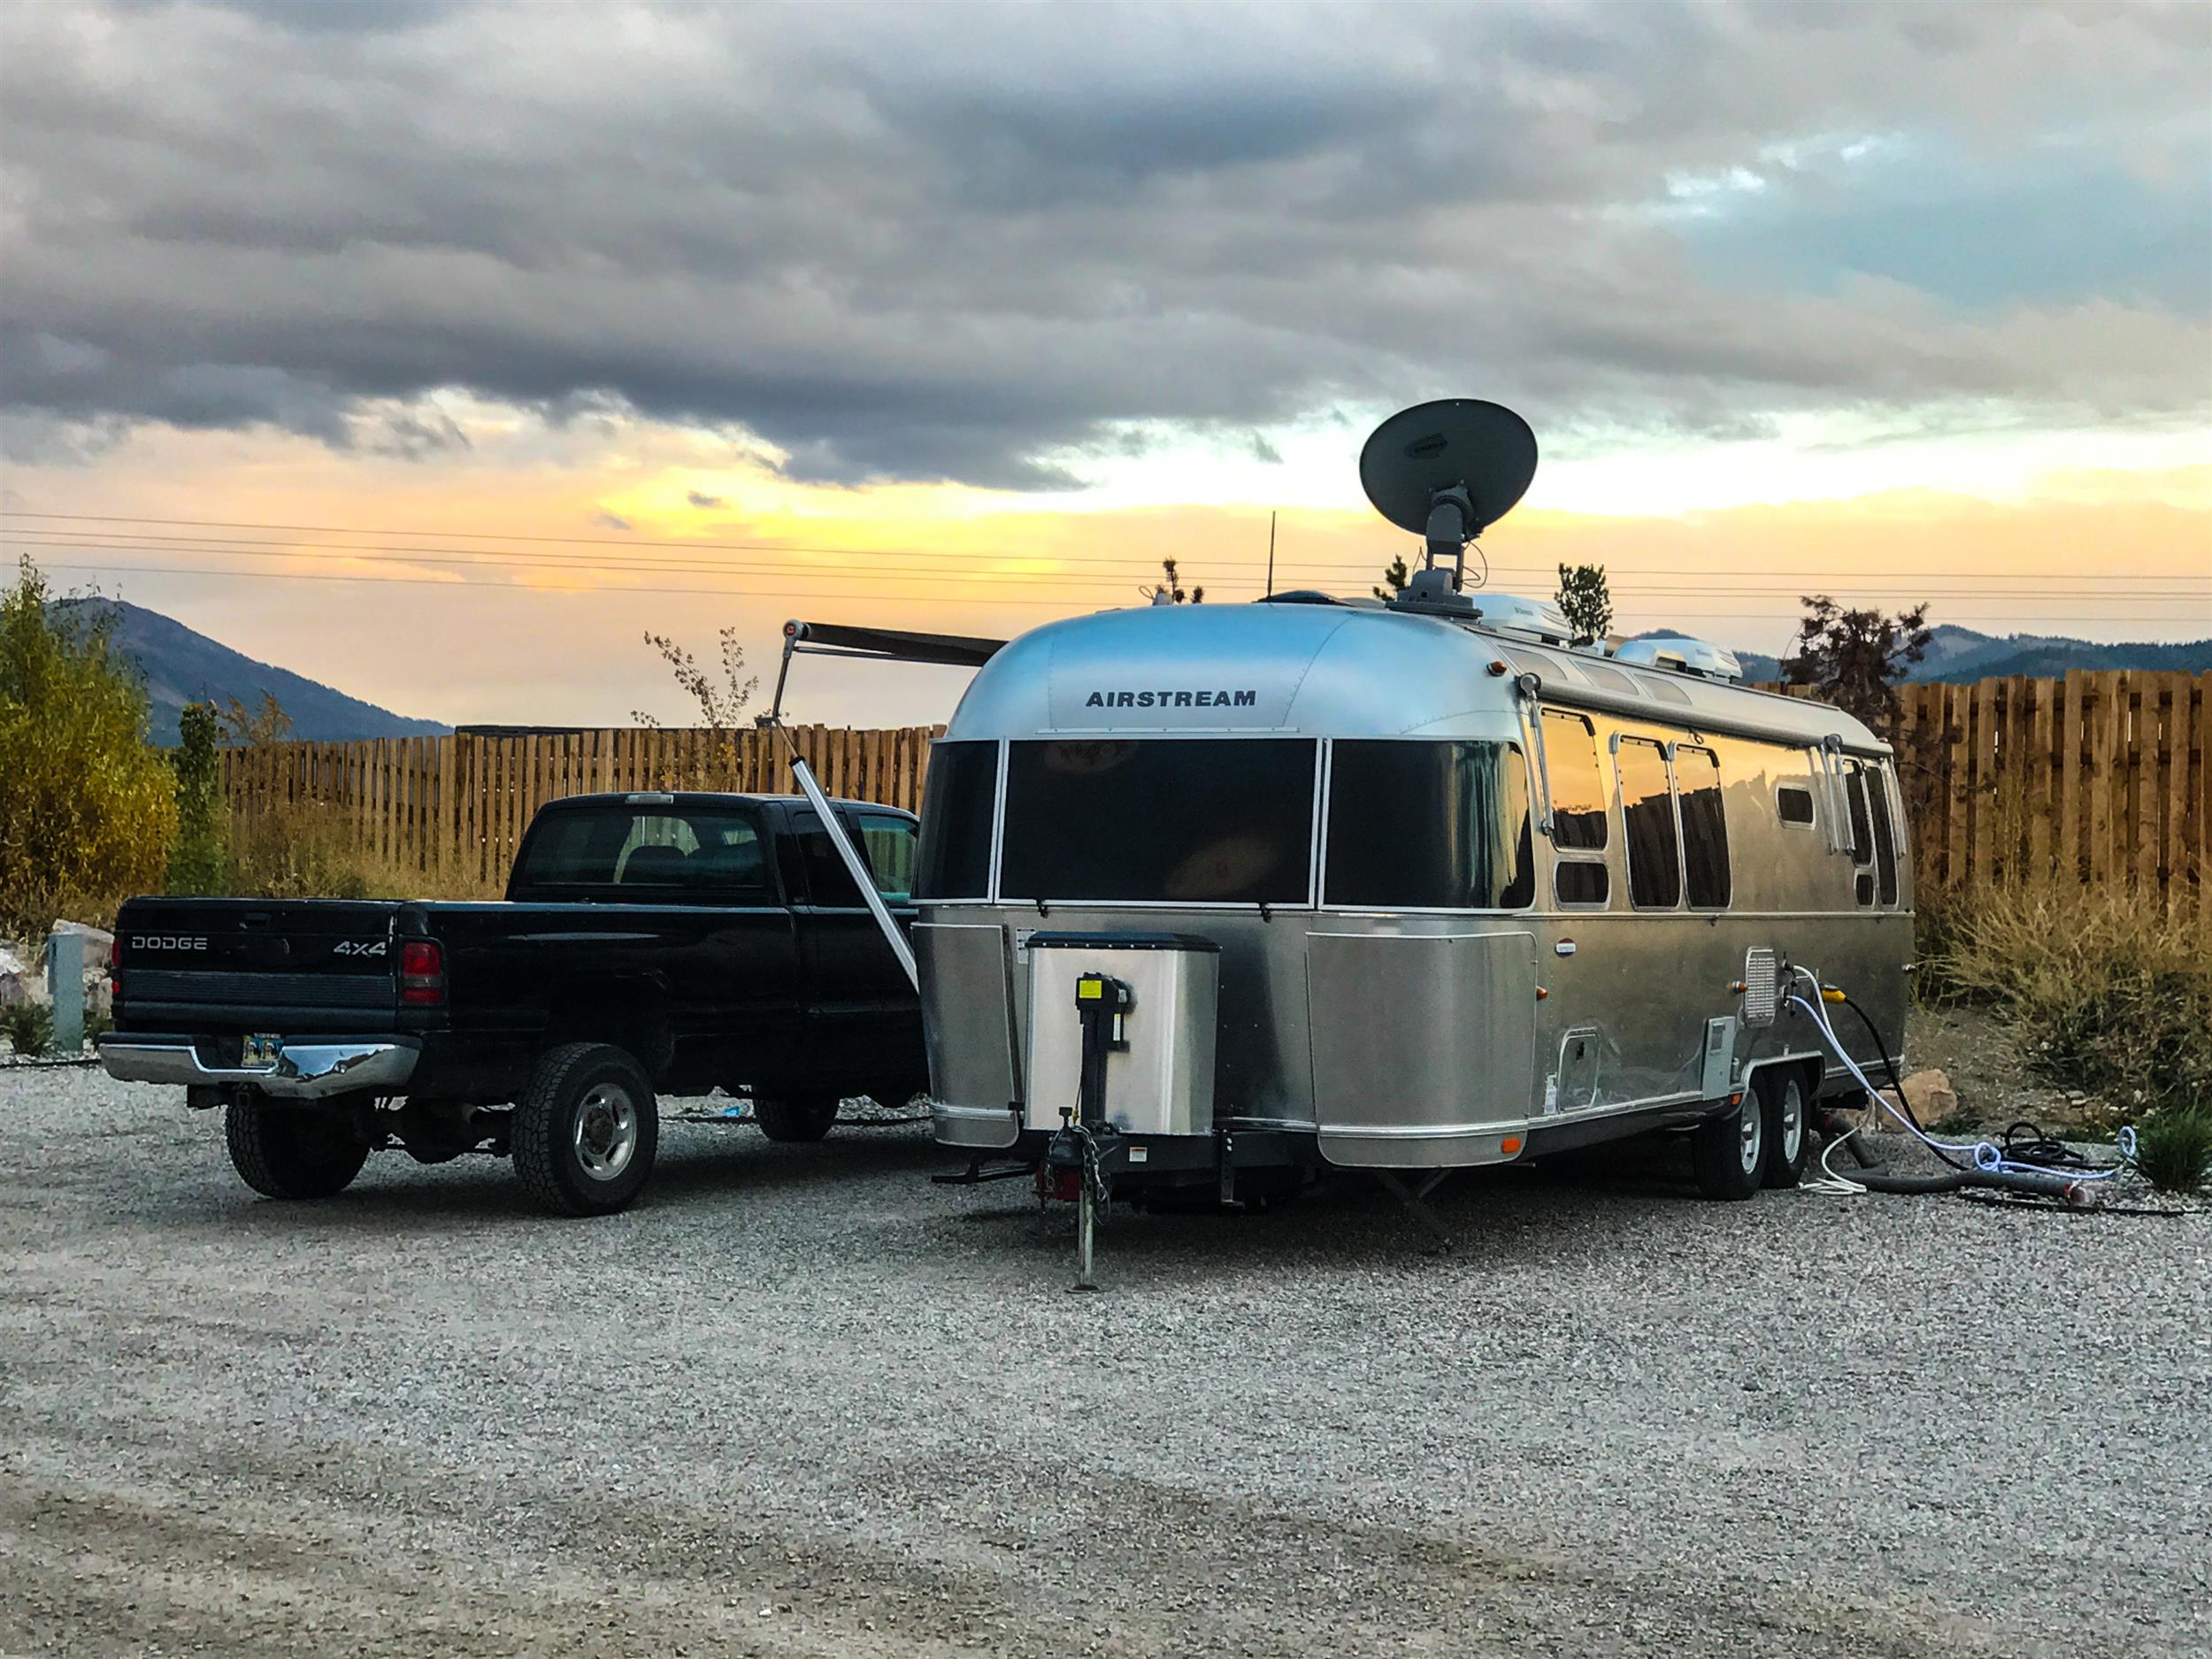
1259 890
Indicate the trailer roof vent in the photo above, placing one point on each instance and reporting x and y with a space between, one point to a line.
1682 655
1535 619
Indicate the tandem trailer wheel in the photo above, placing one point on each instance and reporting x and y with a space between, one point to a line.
1728 1152
586 1130
795 1118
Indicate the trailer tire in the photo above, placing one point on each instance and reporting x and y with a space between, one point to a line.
795 1118
586 1130
1728 1151
292 1152
1788 1103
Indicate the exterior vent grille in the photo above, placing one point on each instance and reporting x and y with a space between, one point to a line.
1760 987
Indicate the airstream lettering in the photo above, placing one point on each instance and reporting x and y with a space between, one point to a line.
1448 891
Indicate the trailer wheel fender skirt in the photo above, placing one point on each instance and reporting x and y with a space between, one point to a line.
283 1150
586 1130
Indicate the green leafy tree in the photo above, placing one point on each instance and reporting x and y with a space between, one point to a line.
1586 603
1395 577
196 857
1856 659
249 728
88 807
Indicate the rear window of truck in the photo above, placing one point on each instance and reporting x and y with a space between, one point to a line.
654 850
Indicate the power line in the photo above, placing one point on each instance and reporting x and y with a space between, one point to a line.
934 599
464 557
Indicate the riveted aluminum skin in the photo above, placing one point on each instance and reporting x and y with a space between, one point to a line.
1410 1037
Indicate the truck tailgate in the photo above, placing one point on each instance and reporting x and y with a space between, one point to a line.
195 966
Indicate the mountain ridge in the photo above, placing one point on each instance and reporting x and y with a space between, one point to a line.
182 665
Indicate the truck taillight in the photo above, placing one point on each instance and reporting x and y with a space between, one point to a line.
421 972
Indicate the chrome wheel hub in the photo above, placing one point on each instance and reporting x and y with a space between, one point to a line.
1792 1117
1751 1134
606 1132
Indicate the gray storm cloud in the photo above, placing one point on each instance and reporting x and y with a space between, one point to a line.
936 242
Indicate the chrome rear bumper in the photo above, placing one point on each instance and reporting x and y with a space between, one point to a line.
305 1071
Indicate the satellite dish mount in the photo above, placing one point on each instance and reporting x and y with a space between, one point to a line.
1446 471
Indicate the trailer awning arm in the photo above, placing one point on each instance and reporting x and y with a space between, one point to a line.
880 645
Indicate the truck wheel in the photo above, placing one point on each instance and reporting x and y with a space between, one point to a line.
292 1151
1781 1097
797 1116
586 1130
1729 1152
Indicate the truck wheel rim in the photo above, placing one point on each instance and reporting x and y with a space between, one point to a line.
1749 1134
1793 1120
606 1132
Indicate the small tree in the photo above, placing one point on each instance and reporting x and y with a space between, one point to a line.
1586 603
250 728
1171 591
1395 576
88 807
196 859
1856 659
722 695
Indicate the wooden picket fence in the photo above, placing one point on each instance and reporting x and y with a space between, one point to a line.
2101 778
452 810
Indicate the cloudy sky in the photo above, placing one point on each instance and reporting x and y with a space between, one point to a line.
436 350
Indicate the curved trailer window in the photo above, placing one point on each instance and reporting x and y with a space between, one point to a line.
1704 827
1164 821
1429 826
1648 827
957 800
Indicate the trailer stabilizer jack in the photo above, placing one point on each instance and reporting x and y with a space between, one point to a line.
1415 1198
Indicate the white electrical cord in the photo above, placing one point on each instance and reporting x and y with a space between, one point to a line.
1986 1157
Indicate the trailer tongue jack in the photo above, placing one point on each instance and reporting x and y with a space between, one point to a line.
1086 1143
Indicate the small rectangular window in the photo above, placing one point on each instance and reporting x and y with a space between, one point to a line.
714 852
1434 825
1578 788
1704 827
1794 805
1647 827
1577 881
887 843
958 799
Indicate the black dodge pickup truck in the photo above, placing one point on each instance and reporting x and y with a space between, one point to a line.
648 944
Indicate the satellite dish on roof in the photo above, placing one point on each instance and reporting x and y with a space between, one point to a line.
1446 471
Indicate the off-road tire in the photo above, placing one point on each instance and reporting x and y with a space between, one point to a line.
1783 1095
586 1130
292 1151
795 1118
1728 1152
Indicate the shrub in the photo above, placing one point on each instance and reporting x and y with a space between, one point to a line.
29 1026
196 860
307 850
2109 992
89 807
2173 1148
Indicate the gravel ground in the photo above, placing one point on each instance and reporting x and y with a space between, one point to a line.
803 1402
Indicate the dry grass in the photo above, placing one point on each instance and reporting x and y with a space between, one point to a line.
308 852
2107 991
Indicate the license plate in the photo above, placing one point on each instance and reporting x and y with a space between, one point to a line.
259 1050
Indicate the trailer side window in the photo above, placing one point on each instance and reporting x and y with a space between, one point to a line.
1854 796
1795 805
1173 820
1884 836
1438 826
1582 881
1655 855
1704 827
1578 788
957 800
